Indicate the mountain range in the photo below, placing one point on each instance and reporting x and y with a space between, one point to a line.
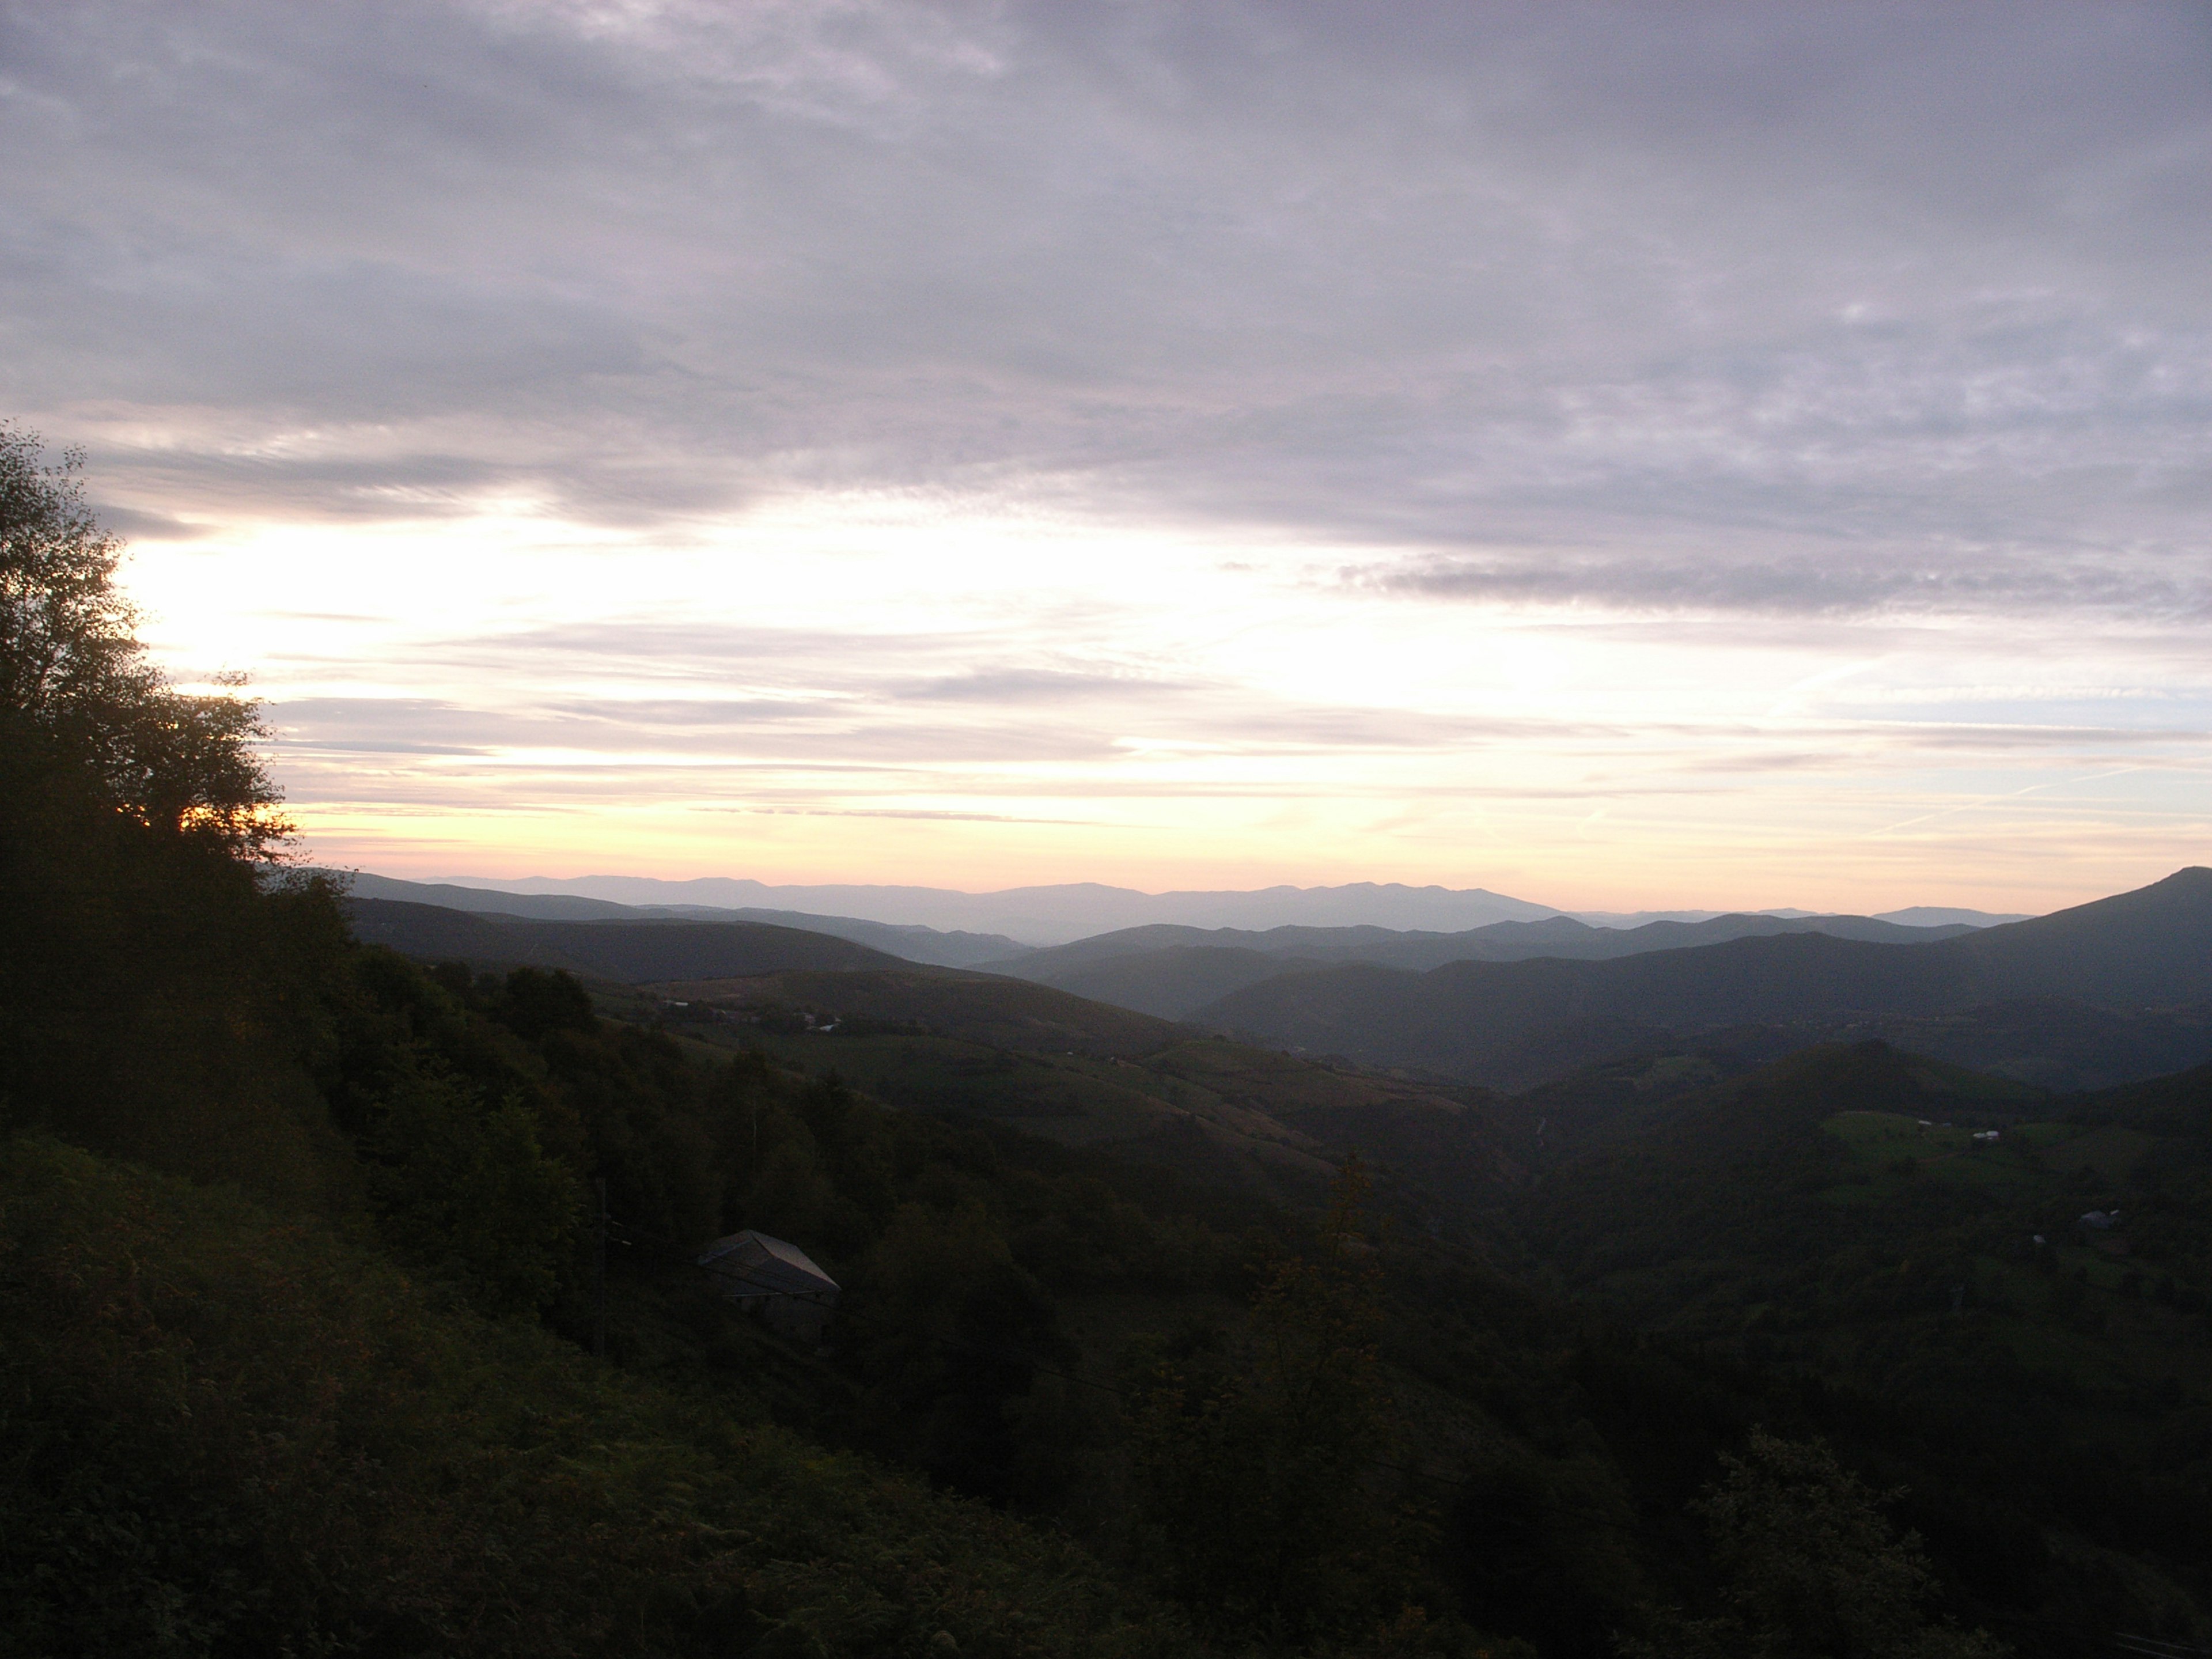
2144 957
2101 994
1057 915
1175 971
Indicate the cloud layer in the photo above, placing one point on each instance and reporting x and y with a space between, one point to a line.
1786 338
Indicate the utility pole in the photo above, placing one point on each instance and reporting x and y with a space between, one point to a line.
600 1276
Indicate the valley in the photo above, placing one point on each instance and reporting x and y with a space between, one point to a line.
1553 1235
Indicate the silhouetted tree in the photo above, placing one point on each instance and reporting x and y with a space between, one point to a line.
153 1000
77 684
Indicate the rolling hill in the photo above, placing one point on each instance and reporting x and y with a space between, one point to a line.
1173 971
1513 1024
909 943
1054 914
1909 1224
1170 982
1087 1073
1003 1013
630 952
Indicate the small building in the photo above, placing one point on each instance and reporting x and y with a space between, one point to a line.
773 1280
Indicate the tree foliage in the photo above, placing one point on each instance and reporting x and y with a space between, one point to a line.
76 682
465 1192
1814 1570
1260 1461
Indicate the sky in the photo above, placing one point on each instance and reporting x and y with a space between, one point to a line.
1624 456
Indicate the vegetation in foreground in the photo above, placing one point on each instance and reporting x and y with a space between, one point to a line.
234 1433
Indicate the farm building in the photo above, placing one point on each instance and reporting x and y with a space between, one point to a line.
773 1280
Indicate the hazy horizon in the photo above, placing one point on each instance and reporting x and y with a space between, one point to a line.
1700 457
1363 903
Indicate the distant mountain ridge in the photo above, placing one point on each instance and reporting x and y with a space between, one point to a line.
2102 994
1510 1025
1175 972
1048 915
1185 984
1056 914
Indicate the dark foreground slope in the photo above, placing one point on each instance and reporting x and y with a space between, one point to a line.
230 1434
1510 1025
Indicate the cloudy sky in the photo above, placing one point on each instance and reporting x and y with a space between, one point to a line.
1632 455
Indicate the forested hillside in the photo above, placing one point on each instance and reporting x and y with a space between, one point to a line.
318 1342
2111 991
605 948
1175 971
907 943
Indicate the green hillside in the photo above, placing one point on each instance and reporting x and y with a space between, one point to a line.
1087 1074
1007 1013
1916 1233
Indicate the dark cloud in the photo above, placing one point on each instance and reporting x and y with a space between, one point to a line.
1770 308
129 521
1844 583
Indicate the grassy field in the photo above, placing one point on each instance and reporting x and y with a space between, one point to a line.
1891 1152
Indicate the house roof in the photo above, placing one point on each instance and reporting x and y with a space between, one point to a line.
765 1266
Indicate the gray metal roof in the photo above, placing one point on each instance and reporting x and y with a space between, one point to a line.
765 1266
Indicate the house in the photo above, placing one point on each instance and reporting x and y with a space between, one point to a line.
773 1280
